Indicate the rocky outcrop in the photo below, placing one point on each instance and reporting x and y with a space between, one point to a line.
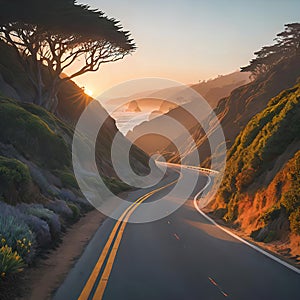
133 107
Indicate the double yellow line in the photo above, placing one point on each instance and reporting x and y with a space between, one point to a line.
116 234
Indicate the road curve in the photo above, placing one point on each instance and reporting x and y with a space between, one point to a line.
183 256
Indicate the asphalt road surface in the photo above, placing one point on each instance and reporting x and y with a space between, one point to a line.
182 256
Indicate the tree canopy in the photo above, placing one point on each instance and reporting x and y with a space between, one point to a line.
50 35
287 44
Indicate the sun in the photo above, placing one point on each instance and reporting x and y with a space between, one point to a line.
88 92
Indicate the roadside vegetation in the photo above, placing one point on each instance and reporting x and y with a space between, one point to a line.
261 185
39 194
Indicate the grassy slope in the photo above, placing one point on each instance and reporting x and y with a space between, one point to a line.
260 190
32 136
71 103
38 191
234 112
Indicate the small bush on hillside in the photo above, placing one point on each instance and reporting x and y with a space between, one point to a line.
255 152
39 227
244 179
41 230
32 137
232 212
59 207
10 261
116 186
67 179
15 180
291 199
48 216
75 210
17 235
295 221
52 121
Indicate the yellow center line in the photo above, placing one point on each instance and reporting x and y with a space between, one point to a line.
106 273
123 219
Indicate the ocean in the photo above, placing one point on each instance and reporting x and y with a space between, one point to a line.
126 121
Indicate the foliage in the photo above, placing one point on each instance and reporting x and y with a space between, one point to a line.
67 178
31 136
39 227
232 210
48 216
60 207
75 210
291 199
14 180
287 44
50 119
44 32
17 235
12 170
10 261
115 185
244 178
295 221
257 147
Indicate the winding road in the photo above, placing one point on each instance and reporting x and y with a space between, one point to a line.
183 256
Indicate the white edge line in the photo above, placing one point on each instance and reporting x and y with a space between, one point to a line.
287 265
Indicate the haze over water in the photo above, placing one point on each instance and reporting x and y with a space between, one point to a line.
126 121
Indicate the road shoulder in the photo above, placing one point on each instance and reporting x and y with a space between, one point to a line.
46 276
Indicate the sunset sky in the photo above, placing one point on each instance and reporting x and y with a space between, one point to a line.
189 40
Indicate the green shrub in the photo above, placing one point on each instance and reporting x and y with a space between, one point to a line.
13 170
115 185
48 216
10 261
17 235
32 137
67 179
15 180
232 211
75 210
225 194
264 138
295 221
244 179
52 121
291 199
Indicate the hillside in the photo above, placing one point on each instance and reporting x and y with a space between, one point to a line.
39 195
212 91
71 103
152 143
260 190
217 88
235 111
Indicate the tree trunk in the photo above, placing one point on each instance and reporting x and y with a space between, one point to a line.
39 84
50 98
